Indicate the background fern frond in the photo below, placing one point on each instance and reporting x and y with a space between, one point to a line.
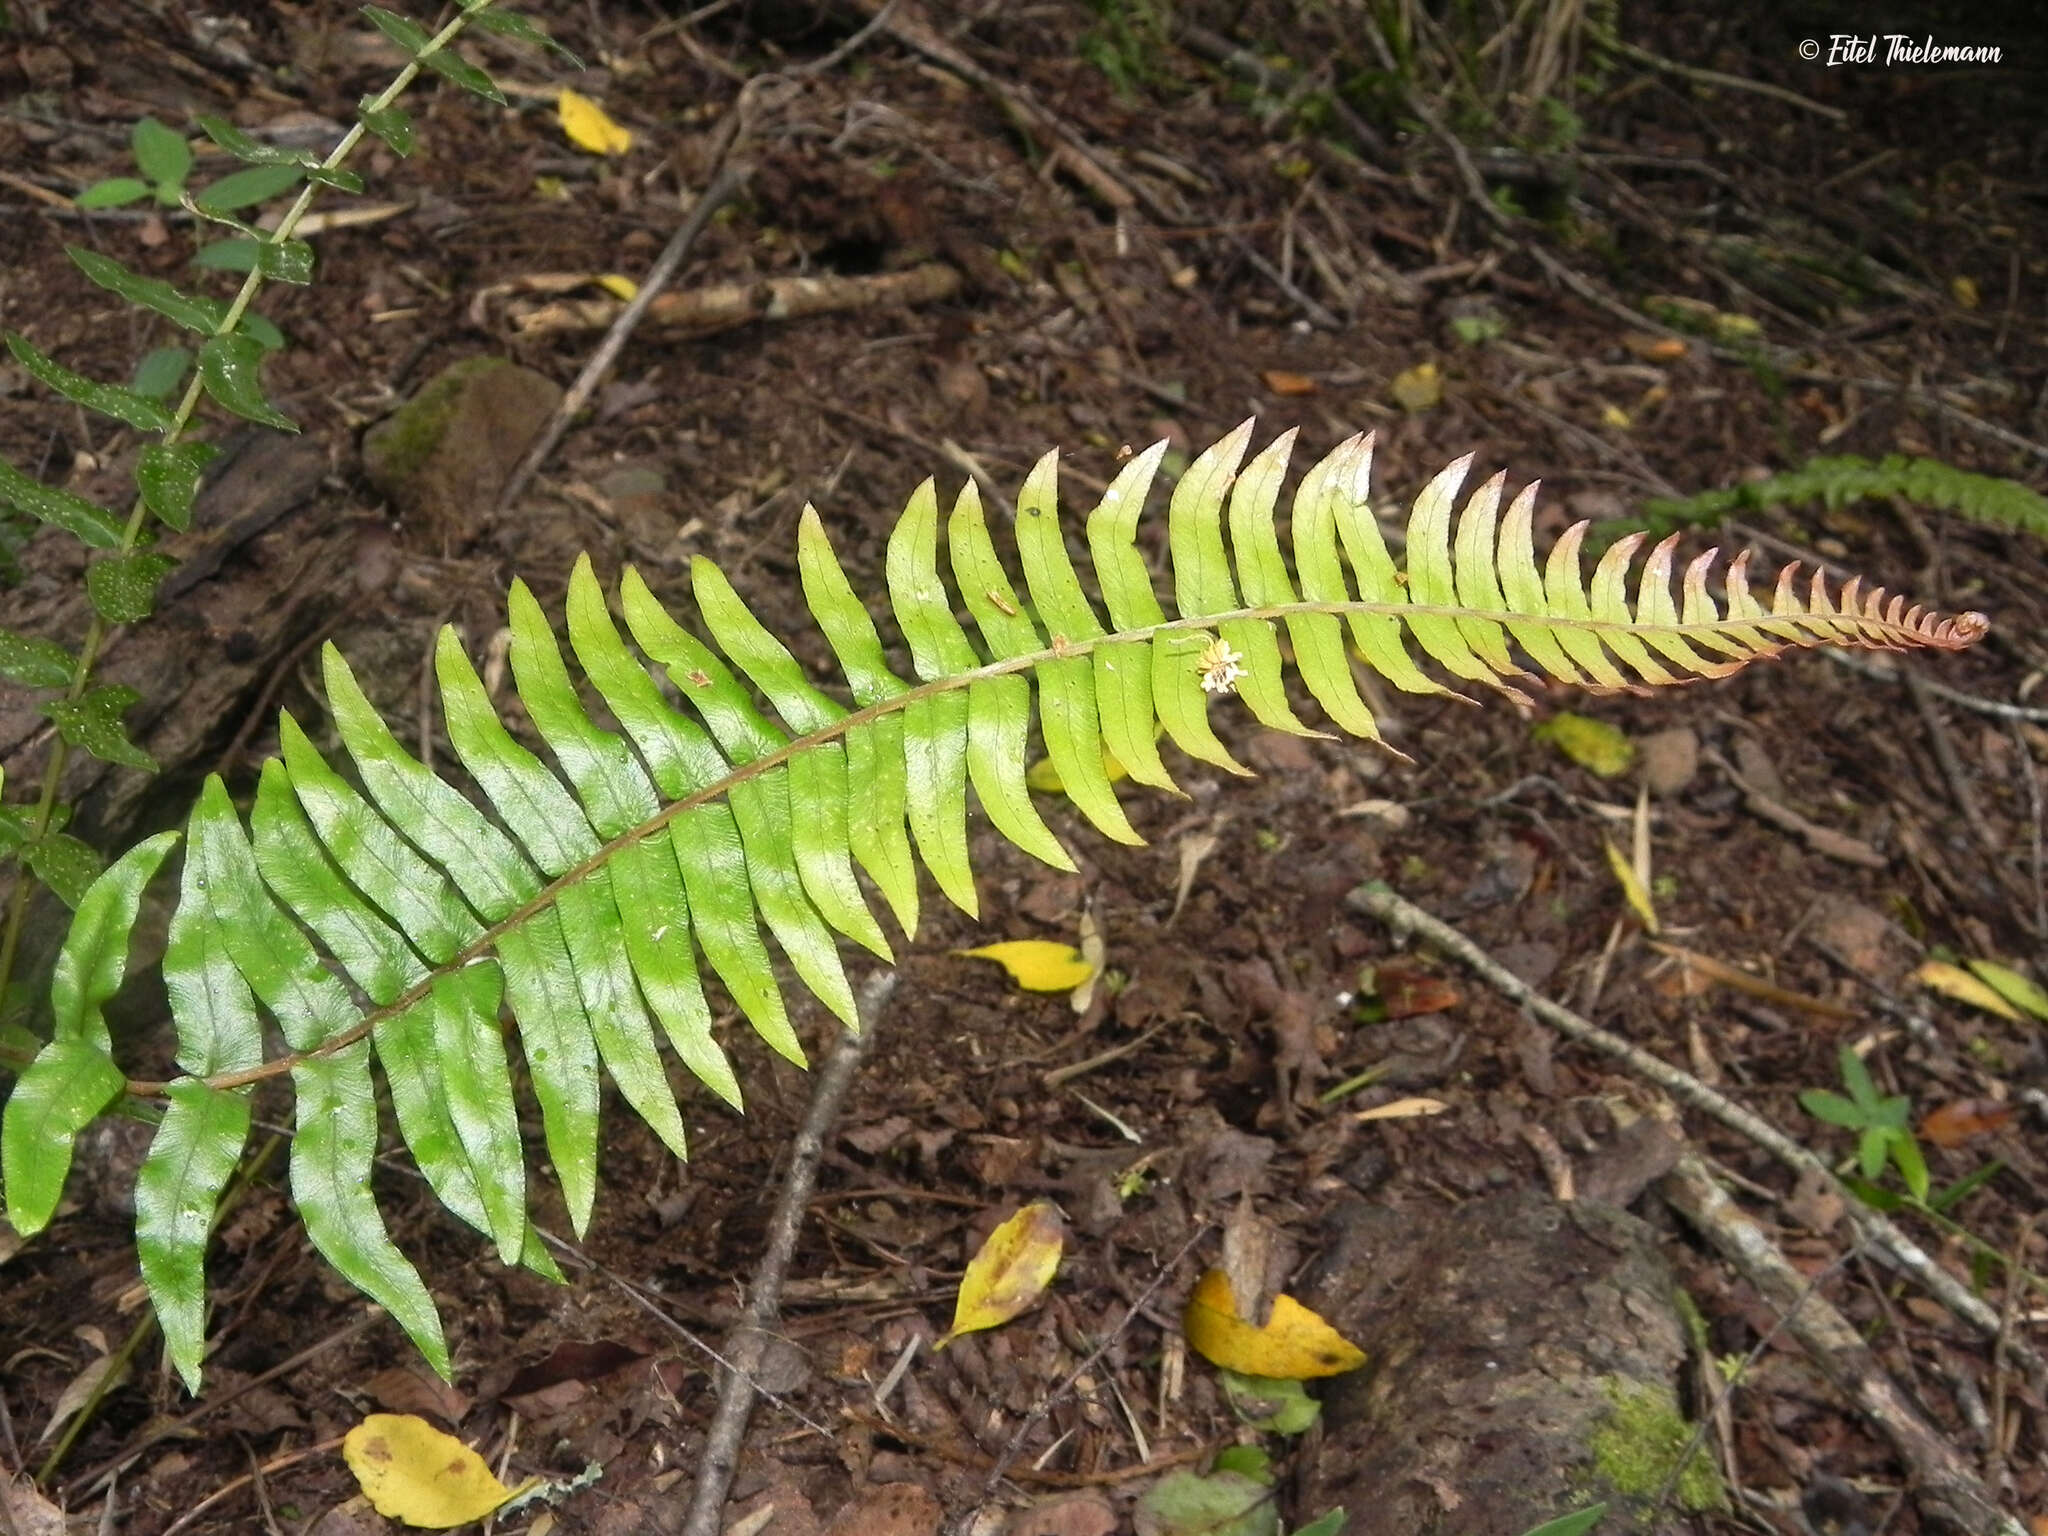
387 915
1838 481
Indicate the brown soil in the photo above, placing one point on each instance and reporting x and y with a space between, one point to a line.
1093 328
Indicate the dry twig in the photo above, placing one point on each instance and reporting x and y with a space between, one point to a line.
724 187
1948 1493
1884 1235
764 1296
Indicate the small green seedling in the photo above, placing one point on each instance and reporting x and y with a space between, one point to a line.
1575 1524
1884 1125
164 159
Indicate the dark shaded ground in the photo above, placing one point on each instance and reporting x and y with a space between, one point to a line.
1092 328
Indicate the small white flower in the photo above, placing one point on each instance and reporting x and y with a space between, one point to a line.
1221 667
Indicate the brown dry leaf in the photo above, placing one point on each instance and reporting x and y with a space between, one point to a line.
1654 349
1194 848
401 1389
893 1509
1011 1271
1960 1120
1293 1345
104 1373
1073 1514
1095 955
1281 382
1405 990
25 1511
1755 986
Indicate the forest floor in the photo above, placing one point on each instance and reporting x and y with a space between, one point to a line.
1232 249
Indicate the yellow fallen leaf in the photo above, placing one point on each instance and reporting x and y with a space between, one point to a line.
1964 291
1631 888
1418 388
1011 1271
1953 981
412 1472
1588 742
1045 778
2016 989
1294 1345
1732 329
618 287
1037 965
1614 416
587 126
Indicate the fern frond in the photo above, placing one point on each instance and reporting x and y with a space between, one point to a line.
1838 481
396 920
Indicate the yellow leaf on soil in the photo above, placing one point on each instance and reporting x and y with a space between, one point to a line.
1037 965
619 287
1631 887
1953 981
588 127
412 1472
2016 989
1417 388
1010 1272
1590 743
1294 1345
1045 778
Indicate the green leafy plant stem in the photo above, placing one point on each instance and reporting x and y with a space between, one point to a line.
98 630
1813 629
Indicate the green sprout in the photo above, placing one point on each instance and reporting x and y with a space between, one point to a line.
1883 1125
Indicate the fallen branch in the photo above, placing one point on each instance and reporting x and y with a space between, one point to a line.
1947 1492
1380 901
724 187
764 1296
721 306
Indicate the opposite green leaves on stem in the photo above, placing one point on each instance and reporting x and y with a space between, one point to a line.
123 587
90 523
229 369
168 477
92 723
63 863
137 410
406 32
34 662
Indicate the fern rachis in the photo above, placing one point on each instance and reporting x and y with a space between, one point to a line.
587 901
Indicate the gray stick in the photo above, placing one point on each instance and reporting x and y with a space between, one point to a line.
724 187
764 1297
1380 901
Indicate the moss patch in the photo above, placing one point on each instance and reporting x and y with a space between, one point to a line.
1636 1450
395 448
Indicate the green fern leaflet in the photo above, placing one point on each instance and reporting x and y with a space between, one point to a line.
383 916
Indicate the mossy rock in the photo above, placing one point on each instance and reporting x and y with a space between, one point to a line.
444 456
